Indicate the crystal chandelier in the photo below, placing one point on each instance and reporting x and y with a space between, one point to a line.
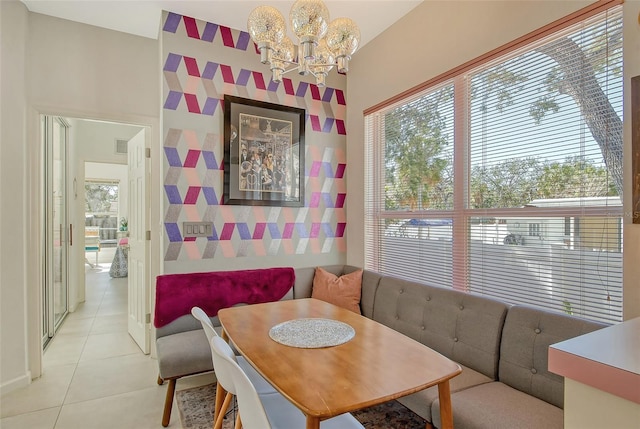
321 44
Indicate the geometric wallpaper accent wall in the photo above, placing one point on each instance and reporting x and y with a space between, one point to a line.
202 62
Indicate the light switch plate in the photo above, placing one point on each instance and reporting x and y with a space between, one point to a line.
197 229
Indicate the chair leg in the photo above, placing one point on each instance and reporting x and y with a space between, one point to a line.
160 381
168 402
238 422
220 396
219 417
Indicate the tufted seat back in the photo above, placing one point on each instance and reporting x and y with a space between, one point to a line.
526 337
464 327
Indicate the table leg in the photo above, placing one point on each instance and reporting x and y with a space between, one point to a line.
313 422
446 413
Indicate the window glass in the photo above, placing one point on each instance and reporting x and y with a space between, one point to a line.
522 202
418 147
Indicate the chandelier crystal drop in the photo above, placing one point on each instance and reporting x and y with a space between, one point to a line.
322 44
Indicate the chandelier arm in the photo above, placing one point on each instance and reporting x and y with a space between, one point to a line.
298 65
324 65
292 68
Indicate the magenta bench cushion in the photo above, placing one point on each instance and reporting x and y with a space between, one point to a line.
176 294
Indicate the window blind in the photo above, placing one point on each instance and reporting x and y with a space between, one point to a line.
506 179
410 193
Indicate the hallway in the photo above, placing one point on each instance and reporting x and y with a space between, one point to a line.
94 375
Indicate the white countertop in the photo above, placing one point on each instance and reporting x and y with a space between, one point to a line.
607 359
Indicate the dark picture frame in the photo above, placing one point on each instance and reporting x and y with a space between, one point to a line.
263 153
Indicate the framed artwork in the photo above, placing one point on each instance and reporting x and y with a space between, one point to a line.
635 145
263 153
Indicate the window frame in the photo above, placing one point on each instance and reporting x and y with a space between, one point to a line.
461 212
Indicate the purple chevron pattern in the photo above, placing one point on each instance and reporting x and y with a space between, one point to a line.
207 32
215 76
196 77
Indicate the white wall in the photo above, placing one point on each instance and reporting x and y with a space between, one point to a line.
436 37
96 140
78 67
14 370
54 66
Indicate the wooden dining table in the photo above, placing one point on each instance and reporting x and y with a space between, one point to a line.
377 365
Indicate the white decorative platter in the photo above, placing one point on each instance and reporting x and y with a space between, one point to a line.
310 333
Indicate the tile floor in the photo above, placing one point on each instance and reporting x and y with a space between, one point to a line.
94 375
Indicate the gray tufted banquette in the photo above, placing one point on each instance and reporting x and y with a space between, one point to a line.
502 349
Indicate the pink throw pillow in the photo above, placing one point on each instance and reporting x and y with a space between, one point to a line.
343 291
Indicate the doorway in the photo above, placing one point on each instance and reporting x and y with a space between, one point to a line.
91 144
105 213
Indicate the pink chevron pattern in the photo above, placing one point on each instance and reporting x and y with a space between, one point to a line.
195 84
202 99
206 31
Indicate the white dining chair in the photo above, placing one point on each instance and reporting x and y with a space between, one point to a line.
261 384
270 411
209 330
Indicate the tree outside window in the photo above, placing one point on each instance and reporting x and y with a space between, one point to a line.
537 195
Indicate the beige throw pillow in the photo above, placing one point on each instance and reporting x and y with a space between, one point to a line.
343 291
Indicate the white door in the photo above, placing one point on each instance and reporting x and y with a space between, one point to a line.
139 321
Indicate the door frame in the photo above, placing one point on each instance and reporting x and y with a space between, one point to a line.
52 324
35 246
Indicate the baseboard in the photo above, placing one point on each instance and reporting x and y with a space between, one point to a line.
16 383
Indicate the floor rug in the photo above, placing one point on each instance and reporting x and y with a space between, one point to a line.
196 412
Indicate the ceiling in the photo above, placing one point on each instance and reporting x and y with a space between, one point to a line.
142 17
